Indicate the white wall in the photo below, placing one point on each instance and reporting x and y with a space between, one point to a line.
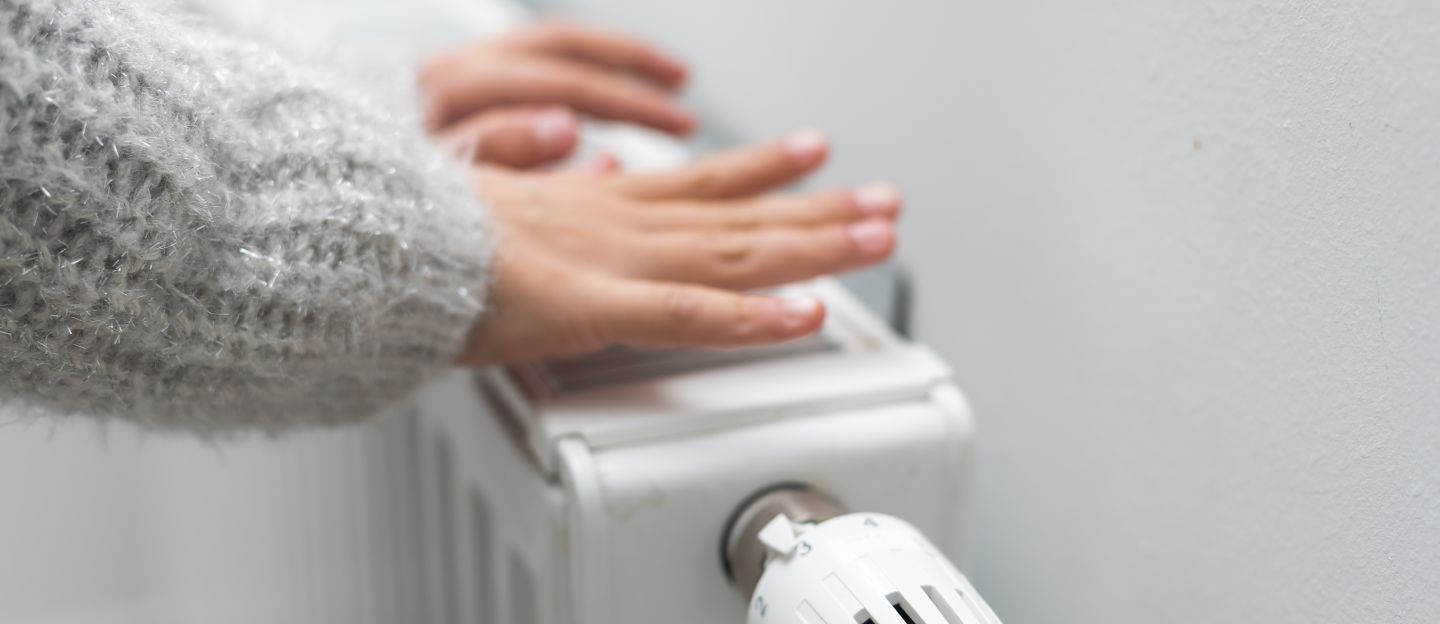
1184 256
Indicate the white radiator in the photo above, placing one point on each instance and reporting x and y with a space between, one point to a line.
599 491
595 491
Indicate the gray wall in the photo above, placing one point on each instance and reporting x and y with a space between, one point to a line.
1185 258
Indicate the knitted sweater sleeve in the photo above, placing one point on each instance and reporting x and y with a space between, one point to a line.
197 232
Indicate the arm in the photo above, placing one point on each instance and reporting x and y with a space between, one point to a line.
199 234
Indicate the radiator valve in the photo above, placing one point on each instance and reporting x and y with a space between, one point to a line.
803 559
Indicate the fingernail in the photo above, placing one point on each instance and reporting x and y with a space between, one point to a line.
554 130
877 199
798 311
872 236
806 146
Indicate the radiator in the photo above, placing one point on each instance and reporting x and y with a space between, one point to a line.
627 487
602 490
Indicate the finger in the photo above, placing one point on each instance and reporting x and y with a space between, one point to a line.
654 314
876 200
515 137
736 173
764 257
468 84
602 47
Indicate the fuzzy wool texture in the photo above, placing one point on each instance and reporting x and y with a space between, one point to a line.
200 232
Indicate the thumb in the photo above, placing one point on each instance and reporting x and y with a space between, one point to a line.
515 137
643 313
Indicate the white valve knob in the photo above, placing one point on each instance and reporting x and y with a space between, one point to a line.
863 568
819 567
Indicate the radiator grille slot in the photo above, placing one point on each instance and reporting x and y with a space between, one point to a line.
946 611
522 592
898 602
445 528
482 523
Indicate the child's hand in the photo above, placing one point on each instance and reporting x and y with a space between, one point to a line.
512 100
655 259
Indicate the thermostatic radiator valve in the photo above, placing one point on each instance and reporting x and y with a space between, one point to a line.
803 559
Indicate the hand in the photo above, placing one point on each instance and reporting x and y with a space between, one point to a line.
513 100
655 259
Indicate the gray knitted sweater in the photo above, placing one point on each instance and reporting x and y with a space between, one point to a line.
198 232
